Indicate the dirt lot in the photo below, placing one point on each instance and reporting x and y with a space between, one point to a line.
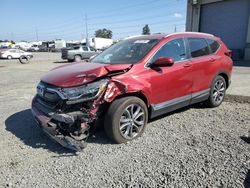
192 147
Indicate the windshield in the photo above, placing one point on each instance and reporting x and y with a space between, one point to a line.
126 52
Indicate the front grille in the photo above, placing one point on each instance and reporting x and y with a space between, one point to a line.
46 97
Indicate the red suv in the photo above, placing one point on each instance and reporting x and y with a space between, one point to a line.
136 79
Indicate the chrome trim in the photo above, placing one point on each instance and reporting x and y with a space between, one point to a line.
57 92
178 100
200 33
171 102
200 93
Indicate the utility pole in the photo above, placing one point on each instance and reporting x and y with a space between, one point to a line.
36 35
175 29
12 36
86 27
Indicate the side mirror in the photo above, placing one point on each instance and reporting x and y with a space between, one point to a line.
163 61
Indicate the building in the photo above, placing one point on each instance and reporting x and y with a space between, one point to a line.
227 19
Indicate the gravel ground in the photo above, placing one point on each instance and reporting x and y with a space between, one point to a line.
192 147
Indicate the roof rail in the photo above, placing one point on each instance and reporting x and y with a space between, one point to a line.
130 37
207 34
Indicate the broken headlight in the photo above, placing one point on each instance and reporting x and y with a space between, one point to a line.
88 91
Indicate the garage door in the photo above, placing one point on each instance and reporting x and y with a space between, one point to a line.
227 20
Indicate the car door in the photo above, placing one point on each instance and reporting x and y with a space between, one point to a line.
171 85
85 52
92 51
203 62
15 54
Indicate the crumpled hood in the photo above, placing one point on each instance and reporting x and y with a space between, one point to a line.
80 73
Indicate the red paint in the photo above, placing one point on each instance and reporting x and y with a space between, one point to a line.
79 73
166 83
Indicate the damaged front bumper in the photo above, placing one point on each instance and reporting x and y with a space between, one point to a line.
55 125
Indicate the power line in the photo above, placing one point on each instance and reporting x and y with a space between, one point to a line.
74 18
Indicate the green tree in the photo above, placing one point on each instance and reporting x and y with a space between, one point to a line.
104 33
146 30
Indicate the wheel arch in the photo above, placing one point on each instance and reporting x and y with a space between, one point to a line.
226 77
138 94
78 55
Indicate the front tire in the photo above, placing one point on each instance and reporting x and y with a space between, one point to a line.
9 57
126 119
217 92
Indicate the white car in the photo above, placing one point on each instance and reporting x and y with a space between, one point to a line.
14 54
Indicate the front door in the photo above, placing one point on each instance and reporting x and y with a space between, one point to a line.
171 86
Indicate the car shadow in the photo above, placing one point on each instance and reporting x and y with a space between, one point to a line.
23 126
247 180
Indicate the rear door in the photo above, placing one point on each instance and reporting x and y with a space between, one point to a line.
203 63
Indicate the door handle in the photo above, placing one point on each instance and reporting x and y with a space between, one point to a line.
187 65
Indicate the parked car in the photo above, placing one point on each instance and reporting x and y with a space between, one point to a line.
34 48
77 53
132 81
14 54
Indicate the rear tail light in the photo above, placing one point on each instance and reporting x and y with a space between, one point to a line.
228 53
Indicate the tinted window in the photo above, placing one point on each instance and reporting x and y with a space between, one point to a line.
174 49
85 48
92 49
76 47
129 51
198 47
214 45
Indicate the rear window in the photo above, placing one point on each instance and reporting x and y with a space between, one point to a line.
198 47
214 45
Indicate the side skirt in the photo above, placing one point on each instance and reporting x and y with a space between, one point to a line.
174 104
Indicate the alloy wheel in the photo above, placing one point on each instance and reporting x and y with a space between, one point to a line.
132 121
218 91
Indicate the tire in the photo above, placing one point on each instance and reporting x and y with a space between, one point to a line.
217 92
24 59
132 128
77 58
9 57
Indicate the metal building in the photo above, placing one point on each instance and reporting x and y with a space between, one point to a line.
227 19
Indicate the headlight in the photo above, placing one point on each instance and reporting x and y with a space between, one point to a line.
87 92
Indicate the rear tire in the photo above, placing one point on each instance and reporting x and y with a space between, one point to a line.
9 57
77 58
126 119
217 92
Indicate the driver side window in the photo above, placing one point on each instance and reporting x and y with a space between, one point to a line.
174 49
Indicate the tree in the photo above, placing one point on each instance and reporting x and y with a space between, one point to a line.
104 33
146 30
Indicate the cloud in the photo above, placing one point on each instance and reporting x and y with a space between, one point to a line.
178 15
